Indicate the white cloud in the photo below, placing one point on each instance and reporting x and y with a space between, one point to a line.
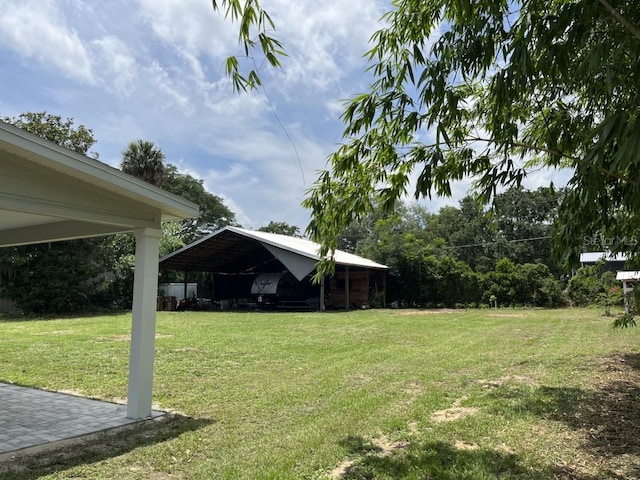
156 71
190 24
38 30
118 65
324 41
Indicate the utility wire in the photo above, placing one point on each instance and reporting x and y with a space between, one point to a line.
484 244
275 114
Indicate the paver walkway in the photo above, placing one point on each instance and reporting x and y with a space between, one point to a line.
34 418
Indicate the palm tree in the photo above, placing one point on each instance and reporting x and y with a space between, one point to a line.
144 160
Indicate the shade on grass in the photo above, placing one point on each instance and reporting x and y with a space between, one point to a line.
367 394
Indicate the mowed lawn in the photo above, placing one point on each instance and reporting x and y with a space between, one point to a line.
379 394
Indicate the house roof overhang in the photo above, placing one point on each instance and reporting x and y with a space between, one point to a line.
50 193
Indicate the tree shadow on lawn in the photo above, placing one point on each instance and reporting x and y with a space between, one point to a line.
442 461
103 447
606 416
609 412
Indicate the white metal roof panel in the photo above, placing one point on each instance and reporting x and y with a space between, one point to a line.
628 275
593 257
306 248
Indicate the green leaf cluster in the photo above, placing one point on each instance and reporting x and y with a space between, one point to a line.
54 129
491 90
255 33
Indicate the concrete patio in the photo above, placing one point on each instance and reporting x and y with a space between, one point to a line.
32 420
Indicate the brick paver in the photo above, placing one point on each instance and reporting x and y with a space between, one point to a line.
31 417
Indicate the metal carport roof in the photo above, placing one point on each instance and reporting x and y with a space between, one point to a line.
236 250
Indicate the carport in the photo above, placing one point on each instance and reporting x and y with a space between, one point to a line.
234 251
49 193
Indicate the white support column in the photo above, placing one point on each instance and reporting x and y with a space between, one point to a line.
143 325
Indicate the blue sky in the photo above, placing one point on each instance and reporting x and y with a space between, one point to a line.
154 70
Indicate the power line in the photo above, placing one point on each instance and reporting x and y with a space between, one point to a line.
484 244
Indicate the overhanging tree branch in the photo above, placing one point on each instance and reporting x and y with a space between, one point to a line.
626 23
558 153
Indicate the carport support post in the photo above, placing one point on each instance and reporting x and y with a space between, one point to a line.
143 324
347 302
186 279
322 305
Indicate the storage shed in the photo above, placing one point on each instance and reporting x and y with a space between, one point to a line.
629 279
237 258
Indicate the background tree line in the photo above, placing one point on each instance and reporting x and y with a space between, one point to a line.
461 256
475 254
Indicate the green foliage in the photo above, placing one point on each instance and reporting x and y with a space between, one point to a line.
50 278
250 15
214 214
504 88
52 128
282 228
450 258
625 321
523 221
525 284
591 285
144 160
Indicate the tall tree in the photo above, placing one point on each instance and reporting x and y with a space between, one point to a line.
214 214
143 159
502 87
282 228
524 220
53 128
506 87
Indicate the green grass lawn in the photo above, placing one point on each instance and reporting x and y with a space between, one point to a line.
361 395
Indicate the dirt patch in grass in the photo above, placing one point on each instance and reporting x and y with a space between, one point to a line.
379 447
433 311
456 412
460 445
506 315
386 446
342 469
452 414
499 382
